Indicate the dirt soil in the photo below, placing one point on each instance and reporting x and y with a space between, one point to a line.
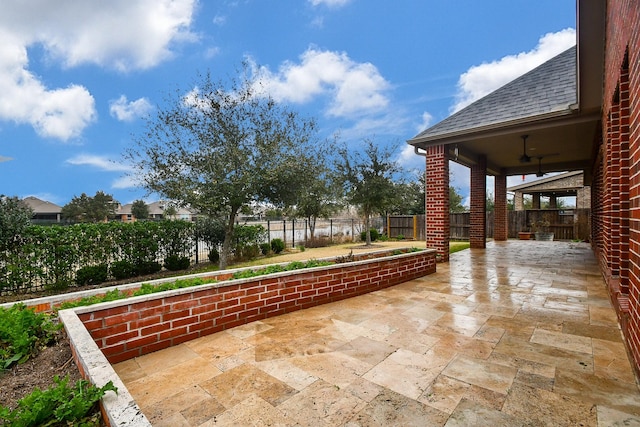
39 371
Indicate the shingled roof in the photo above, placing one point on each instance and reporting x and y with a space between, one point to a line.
549 88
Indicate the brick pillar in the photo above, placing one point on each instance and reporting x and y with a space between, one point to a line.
624 185
518 201
437 200
500 224
536 201
478 205
553 202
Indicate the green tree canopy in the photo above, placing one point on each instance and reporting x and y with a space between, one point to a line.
455 201
15 216
218 148
84 208
140 210
367 179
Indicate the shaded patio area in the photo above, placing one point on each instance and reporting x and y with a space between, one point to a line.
521 333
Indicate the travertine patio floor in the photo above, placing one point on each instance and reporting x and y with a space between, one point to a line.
521 333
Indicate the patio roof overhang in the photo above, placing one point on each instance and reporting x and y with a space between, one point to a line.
564 135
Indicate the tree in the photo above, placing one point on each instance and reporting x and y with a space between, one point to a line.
321 195
15 216
455 201
140 210
219 148
90 209
368 180
490 203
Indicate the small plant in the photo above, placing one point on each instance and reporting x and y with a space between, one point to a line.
374 235
147 267
345 258
400 237
122 270
58 405
265 248
277 246
176 263
23 332
92 275
301 248
95 299
214 256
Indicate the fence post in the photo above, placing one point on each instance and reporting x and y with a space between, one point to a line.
284 232
331 230
269 231
293 233
415 227
197 248
305 232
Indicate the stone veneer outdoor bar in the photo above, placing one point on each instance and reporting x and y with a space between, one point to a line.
115 331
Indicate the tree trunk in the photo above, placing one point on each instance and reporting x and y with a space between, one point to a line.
228 239
367 224
312 226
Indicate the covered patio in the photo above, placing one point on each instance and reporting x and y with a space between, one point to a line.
520 333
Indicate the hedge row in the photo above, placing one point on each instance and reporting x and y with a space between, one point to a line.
57 257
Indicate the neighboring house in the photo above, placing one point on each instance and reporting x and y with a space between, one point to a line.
580 111
43 211
156 212
568 184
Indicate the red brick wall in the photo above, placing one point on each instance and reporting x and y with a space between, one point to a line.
145 324
619 191
437 201
478 205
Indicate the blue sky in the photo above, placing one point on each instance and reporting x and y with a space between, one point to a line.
76 78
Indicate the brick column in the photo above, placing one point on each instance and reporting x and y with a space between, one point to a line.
518 201
536 201
437 200
478 205
500 223
553 202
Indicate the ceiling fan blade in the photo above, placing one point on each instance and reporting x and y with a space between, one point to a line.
524 158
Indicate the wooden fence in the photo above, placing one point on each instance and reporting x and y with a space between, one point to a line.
567 224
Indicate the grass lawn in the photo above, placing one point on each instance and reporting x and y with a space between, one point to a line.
457 246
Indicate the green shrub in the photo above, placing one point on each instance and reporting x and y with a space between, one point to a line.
400 237
374 235
175 263
147 267
122 270
92 275
251 251
23 332
58 405
265 248
277 246
214 256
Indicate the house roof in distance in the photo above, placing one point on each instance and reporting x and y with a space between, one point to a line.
41 206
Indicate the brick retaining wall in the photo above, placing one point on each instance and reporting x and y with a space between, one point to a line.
139 325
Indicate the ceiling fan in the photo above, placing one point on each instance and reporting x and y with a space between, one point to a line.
525 158
540 174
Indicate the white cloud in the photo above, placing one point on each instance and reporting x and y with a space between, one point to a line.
126 111
355 88
330 3
119 34
483 79
99 162
219 20
124 182
426 122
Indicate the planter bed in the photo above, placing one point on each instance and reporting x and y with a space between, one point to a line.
112 332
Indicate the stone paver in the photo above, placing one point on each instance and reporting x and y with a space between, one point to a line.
521 333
